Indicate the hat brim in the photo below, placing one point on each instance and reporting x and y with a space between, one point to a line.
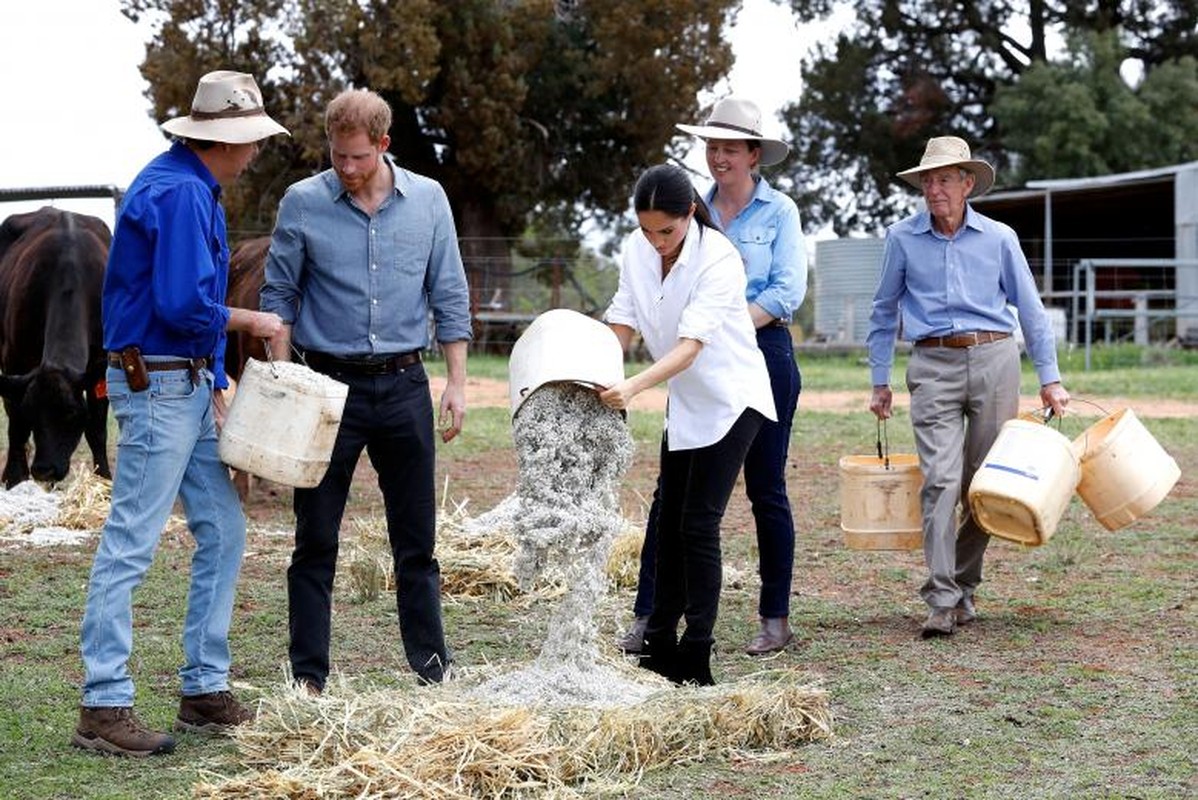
773 151
983 174
237 130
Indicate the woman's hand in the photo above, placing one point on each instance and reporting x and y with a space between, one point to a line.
619 396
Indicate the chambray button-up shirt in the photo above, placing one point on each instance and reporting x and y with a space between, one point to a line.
366 282
769 237
942 286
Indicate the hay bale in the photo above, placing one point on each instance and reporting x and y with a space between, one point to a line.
85 500
443 743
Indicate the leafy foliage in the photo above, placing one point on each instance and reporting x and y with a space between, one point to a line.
910 69
524 111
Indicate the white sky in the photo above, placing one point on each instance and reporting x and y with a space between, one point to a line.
76 111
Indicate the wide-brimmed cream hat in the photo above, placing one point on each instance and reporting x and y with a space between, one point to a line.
227 108
951 151
737 118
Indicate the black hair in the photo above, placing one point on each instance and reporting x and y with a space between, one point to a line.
667 188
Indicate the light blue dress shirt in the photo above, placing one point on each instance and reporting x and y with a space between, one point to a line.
942 286
366 282
769 238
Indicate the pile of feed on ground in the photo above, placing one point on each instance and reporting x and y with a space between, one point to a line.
570 722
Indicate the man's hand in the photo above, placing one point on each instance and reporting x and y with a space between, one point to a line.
880 402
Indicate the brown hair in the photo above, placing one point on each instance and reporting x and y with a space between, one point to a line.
358 110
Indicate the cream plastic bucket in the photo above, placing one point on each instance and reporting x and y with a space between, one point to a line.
283 423
1025 483
1125 471
880 507
563 345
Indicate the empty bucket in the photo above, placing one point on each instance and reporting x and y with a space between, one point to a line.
1125 471
1025 483
283 423
563 345
879 505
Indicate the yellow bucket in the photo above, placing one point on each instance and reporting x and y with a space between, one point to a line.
1125 471
879 506
1025 483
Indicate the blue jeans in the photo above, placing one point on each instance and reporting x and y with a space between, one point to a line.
166 449
765 485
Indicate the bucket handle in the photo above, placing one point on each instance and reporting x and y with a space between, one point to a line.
1047 413
883 453
270 357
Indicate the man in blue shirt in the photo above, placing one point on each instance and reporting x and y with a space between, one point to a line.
164 327
950 277
359 256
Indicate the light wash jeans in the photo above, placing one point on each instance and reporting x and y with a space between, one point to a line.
166 449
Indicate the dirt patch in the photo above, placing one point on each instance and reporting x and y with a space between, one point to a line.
491 393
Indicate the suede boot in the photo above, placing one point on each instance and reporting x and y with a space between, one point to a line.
693 664
660 654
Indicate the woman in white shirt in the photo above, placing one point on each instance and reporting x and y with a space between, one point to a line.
682 287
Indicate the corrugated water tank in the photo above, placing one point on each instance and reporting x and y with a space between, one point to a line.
846 274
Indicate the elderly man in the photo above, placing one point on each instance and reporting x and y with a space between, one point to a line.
951 276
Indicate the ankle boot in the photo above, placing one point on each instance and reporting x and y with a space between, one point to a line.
660 654
694 664
774 635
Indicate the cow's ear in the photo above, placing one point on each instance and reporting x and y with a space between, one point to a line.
12 387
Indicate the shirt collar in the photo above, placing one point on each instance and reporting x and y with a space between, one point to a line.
923 223
401 181
187 158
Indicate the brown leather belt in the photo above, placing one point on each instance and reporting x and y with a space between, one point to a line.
963 339
778 323
386 365
192 365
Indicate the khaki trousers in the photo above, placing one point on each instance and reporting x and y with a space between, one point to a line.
960 398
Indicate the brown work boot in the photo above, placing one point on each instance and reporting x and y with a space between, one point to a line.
966 613
117 731
215 712
774 635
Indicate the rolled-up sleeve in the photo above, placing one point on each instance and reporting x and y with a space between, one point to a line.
280 291
448 293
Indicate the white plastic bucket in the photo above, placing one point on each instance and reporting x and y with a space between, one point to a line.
879 506
1125 471
283 423
563 345
1025 483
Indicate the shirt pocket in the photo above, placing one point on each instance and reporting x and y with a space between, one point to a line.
756 236
410 250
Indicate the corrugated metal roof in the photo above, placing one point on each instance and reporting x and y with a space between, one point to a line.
1139 176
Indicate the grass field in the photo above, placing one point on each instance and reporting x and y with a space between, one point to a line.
1079 680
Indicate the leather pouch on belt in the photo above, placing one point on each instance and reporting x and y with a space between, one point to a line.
134 367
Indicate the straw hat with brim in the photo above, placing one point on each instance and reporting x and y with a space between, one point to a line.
951 151
734 118
227 108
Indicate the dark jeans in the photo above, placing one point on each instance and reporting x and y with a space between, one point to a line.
694 487
391 416
765 485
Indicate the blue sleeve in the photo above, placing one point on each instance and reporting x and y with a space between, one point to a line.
1021 290
448 294
787 283
884 318
186 272
280 291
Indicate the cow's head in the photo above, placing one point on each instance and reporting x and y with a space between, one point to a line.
52 404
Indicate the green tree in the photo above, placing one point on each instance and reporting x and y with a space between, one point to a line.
1077 117
909 69
525 111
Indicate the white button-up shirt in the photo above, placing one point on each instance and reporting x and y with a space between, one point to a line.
702 298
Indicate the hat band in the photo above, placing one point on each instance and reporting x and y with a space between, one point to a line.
229 113
731 127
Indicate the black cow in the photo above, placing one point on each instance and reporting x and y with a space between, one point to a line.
51 343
